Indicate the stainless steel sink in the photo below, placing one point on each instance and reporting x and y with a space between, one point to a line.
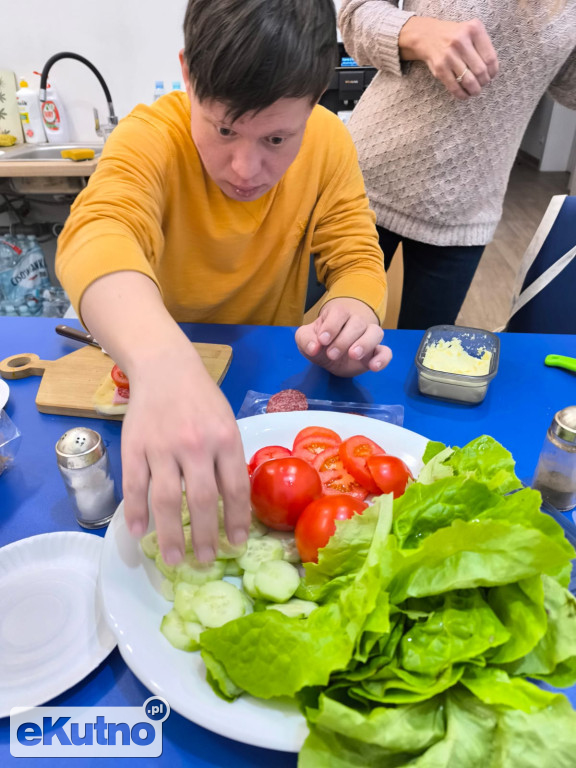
36 152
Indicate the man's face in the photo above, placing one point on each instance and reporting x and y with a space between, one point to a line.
248 157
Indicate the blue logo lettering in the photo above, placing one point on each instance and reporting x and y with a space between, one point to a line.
29 734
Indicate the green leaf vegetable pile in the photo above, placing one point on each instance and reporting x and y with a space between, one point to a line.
437 611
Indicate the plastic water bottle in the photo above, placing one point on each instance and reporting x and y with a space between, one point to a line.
9 257
176 85
158 89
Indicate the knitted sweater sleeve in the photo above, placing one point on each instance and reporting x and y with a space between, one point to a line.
370 30
563 87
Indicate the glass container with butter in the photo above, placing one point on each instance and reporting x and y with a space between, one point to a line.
457 363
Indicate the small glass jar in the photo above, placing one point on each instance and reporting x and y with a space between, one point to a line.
555 475
84 466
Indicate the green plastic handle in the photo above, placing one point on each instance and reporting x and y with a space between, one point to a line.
559 361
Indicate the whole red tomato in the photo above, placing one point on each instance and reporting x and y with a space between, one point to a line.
390 474
281 489
317 523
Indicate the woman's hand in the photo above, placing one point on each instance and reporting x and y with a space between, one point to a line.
345 339
459 54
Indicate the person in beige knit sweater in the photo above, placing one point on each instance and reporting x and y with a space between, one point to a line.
439 127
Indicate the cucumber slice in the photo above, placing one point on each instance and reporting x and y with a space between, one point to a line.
149 545
227 551
184 511
259 551
217 603
194 572
248 583
183 594
194 630
168 571
167 589
178 633
248 604
231 568
291 554
276 580
294 608
257 529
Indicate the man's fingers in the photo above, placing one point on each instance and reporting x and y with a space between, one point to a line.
135 481
166 503
382 356
202 498
234 486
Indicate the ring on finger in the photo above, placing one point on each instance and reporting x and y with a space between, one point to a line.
461 77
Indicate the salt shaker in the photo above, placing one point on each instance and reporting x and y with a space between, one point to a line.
83 463
555 475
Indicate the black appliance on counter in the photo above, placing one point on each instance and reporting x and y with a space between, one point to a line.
349 81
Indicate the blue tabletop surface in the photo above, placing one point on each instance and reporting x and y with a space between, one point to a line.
517 411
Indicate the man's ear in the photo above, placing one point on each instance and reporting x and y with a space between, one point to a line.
184 68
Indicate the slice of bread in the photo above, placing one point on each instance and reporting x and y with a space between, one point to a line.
104 399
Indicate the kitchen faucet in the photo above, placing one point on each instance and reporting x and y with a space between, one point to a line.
101 130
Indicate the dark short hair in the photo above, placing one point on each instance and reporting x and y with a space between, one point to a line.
248 54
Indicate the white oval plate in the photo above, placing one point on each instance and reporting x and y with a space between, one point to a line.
4 393
52 631
134 606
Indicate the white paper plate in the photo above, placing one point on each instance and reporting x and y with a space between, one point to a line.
134 606
4 393
52 631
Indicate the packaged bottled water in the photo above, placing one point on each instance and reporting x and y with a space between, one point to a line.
9 257
23 276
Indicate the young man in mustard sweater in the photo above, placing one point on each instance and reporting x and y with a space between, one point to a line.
206 207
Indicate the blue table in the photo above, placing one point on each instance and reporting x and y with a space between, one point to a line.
517 411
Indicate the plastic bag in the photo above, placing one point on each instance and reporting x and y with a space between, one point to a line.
9 441
255 403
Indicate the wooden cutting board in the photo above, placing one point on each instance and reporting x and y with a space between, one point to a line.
68 384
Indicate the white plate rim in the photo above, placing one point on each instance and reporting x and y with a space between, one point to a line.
58 543
213 720
4 393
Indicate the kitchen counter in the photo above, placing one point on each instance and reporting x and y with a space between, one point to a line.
13 167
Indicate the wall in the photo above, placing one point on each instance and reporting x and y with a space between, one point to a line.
550 136
131 42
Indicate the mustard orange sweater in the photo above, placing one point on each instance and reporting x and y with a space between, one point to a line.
151 207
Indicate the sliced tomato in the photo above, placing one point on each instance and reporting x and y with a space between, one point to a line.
266 454
354 451
311 441
317 523
119 378
390 474
124 392
335 478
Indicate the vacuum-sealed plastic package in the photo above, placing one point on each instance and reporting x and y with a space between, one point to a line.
256 403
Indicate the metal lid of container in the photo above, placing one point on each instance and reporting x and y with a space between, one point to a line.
564 424
79 447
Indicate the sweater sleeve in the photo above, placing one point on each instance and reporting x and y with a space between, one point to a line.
348 258
115 223
563 87
370 30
